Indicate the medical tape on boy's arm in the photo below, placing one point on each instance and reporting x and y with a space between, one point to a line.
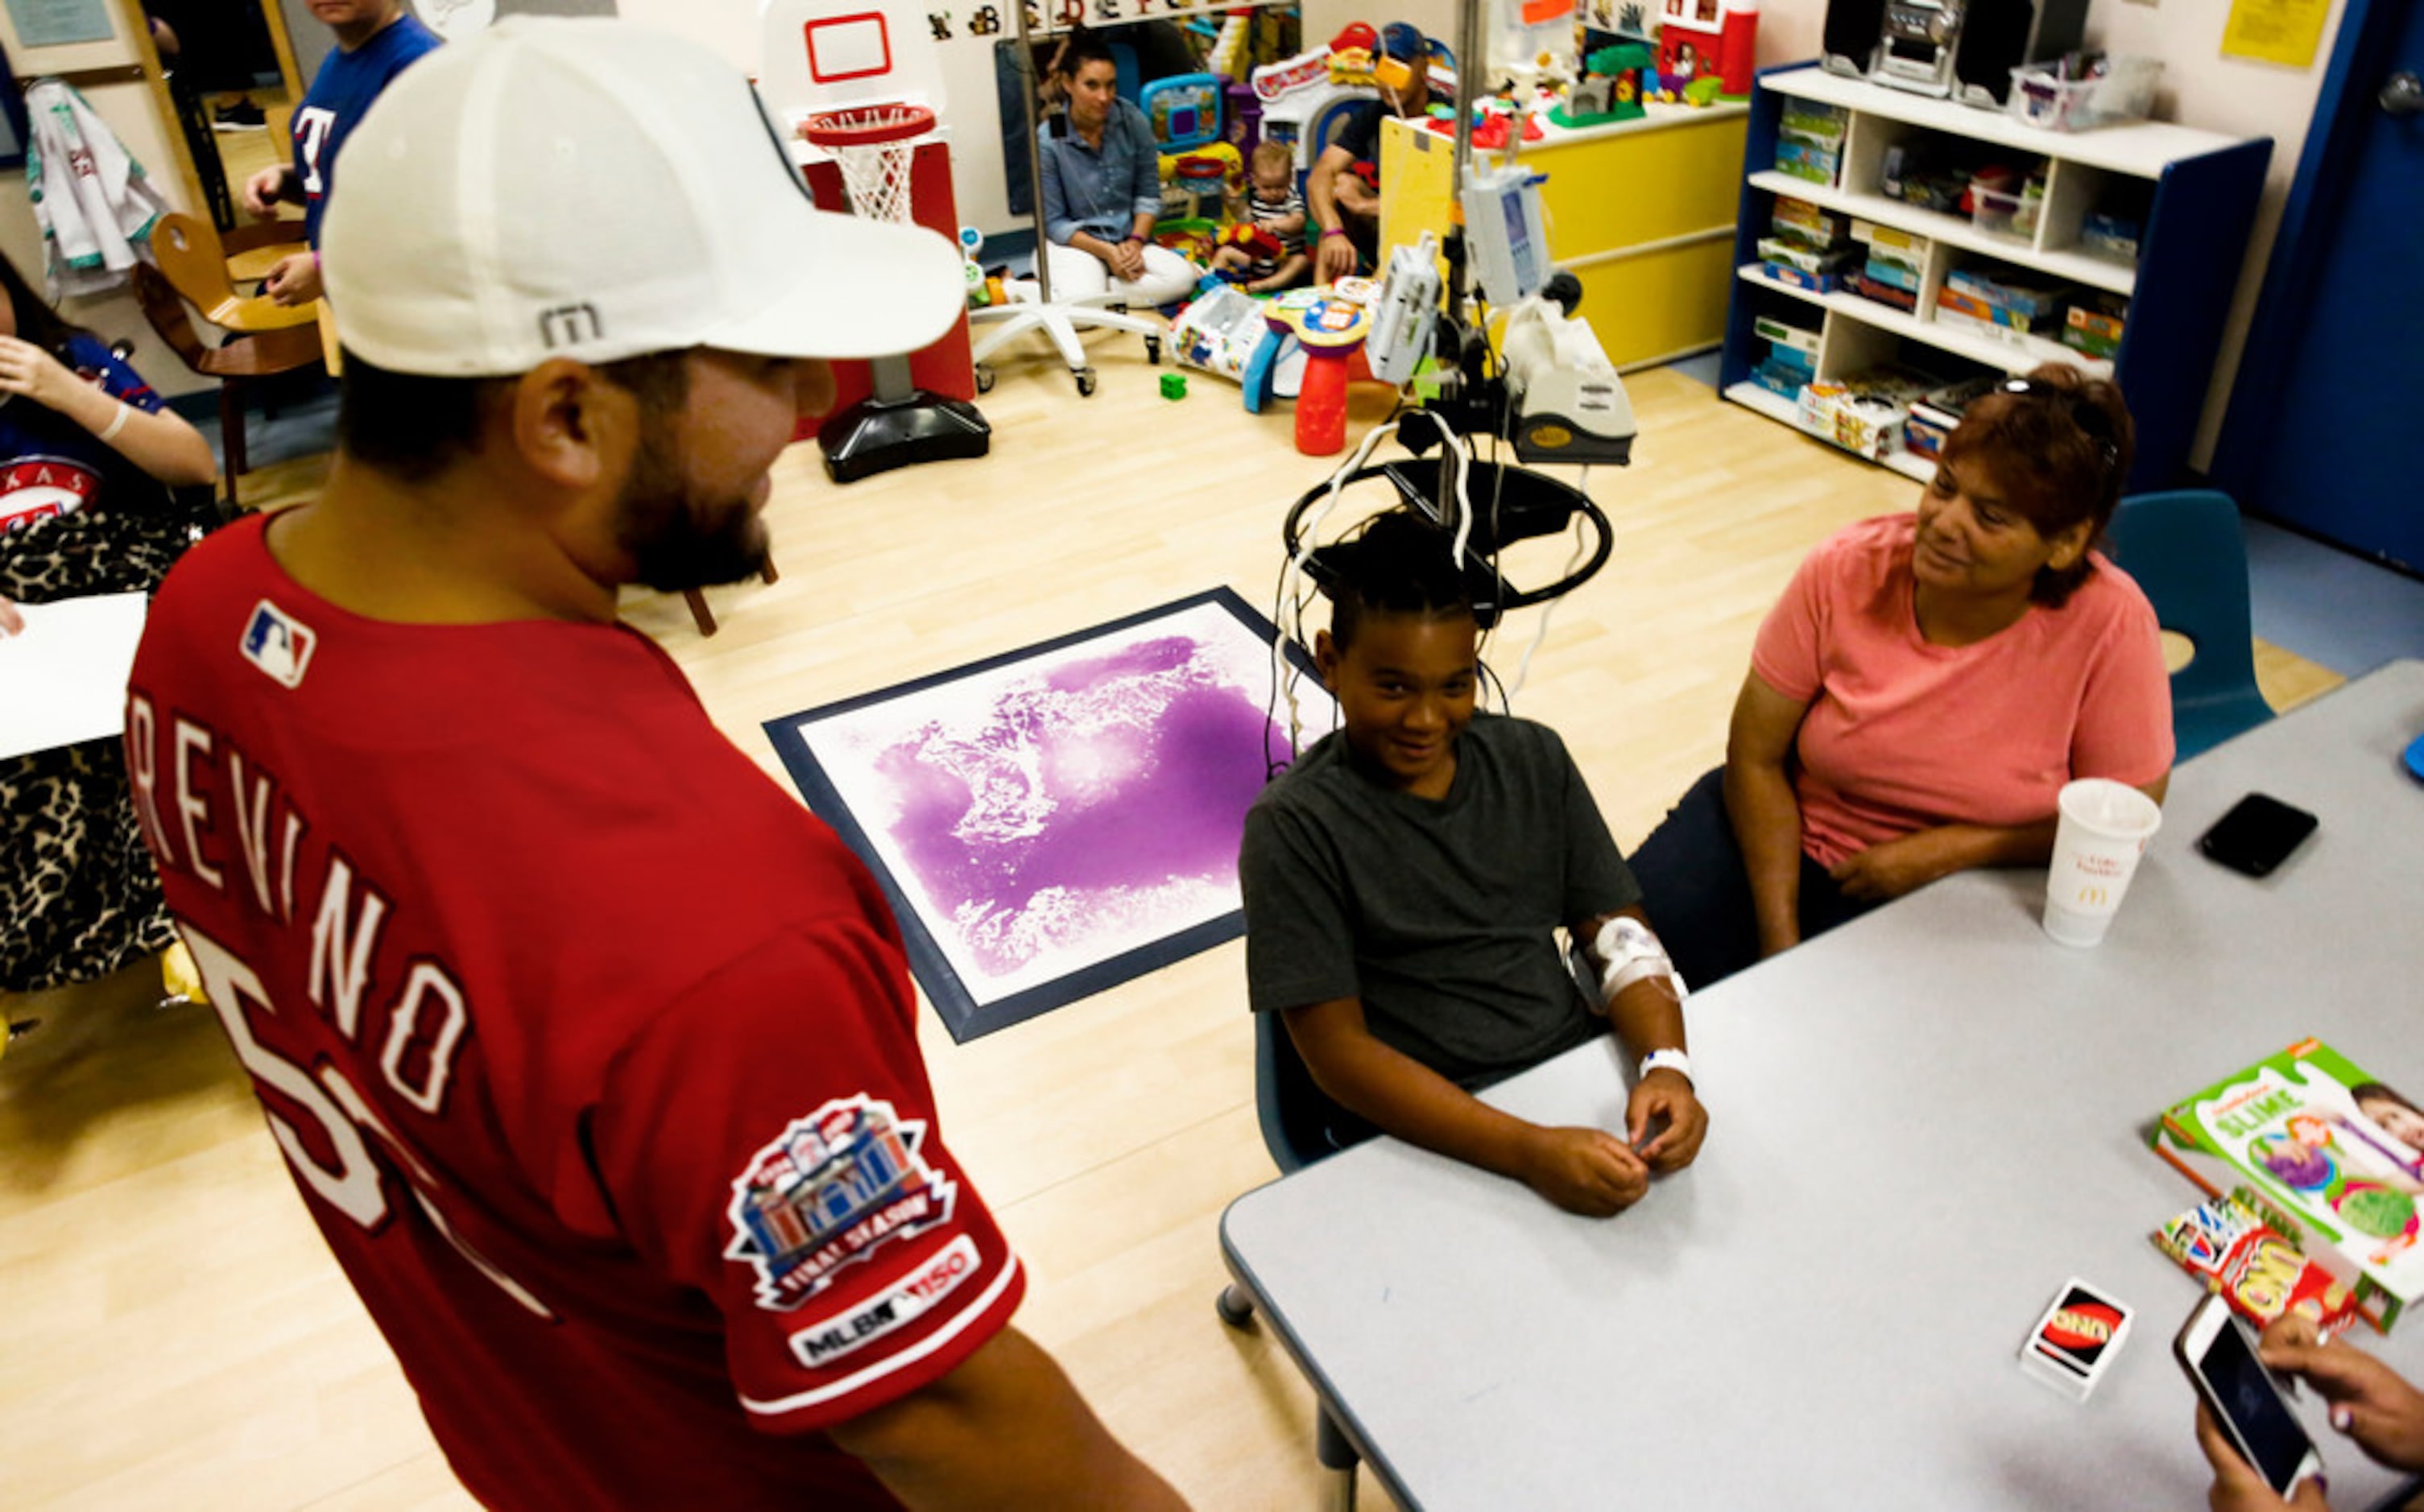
1632 953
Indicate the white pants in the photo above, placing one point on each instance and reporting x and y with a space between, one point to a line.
1167 276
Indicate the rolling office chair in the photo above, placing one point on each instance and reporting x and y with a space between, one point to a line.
1059 319
2185 550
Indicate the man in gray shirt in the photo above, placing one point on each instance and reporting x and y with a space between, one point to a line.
1404 880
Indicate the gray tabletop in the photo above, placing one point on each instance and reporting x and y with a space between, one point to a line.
1920 1125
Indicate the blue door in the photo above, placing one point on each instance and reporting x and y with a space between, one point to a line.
2326 422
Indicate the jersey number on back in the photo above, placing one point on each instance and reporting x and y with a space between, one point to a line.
353 1185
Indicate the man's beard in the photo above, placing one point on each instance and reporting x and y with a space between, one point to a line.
677 539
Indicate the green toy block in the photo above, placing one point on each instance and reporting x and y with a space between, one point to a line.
1174 386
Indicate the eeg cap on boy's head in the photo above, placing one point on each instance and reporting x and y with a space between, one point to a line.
598 190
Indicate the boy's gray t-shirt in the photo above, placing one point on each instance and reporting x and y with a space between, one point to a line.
1436 913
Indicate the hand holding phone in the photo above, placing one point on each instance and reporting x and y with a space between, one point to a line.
2370 1402
2257 835
2243 1403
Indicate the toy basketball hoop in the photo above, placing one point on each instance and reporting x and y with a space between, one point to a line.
871 145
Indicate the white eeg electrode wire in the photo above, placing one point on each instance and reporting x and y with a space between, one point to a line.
1292 593
1549 610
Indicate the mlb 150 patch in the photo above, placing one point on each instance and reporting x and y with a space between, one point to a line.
903 1302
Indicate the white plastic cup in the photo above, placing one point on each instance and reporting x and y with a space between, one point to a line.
2104 830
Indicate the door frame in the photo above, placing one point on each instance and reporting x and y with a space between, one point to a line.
2308 215
133 22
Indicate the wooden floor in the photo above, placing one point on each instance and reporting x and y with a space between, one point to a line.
177 1337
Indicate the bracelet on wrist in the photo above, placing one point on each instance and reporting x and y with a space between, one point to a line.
1334 230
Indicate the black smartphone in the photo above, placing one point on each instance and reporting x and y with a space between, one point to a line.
2219 1354
2257 835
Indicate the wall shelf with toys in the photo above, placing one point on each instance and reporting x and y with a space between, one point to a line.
1897 249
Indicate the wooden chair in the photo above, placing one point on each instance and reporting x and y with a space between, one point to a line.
195 260
704 617
248 359
252 250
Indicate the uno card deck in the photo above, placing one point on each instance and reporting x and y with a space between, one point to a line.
2073 1343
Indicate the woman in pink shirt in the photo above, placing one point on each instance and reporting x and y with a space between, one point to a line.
1923 689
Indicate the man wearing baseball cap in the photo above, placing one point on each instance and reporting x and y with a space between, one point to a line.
592 1053
1342 201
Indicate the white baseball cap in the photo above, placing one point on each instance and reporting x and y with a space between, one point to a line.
598 190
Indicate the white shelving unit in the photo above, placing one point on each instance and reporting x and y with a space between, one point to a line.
2201 187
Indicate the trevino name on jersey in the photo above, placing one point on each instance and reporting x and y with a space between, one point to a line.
593 1053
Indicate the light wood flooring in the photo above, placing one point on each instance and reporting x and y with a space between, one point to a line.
175 1334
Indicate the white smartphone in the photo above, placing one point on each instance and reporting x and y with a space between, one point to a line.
2219 1353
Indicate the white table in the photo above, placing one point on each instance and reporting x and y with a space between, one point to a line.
1921 1124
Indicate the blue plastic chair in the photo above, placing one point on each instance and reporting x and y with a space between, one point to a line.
1295 1115
2185 550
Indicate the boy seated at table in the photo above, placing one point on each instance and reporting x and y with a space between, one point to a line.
1403 883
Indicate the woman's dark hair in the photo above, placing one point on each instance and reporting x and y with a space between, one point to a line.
1399 564
1079 48
2060 443
37 322
413 427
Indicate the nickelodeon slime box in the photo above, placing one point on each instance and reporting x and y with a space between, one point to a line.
2300 1127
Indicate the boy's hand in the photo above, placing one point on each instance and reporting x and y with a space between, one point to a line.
1664 1095
296 279
2368 1401
264 190
1589 1171
2237 1487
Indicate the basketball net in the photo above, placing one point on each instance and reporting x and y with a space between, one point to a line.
873 146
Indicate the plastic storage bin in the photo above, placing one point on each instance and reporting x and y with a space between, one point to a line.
2123 91
2001 212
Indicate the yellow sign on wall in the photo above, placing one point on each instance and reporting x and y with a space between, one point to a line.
2275 31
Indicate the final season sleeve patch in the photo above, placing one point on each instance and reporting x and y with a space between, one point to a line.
832 1190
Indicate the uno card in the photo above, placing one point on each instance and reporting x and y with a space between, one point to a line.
2075 1342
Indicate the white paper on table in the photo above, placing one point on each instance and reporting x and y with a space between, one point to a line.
63 678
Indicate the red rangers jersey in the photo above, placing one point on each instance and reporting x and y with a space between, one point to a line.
592 1053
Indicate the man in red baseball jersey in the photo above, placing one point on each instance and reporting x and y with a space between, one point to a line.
592 1053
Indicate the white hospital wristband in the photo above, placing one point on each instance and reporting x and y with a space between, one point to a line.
1674 1061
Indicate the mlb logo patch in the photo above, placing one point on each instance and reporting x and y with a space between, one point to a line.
279 643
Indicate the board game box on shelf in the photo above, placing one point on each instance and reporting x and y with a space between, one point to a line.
2333 1149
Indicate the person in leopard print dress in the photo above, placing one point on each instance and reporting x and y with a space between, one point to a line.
89 462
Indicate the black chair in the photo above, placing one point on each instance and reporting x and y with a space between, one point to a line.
2185 550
